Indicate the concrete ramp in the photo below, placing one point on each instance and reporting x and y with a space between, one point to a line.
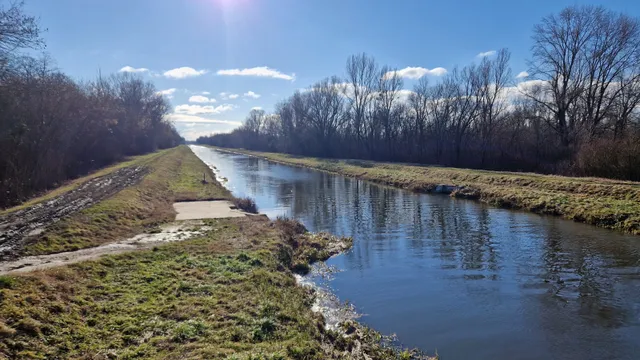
207 210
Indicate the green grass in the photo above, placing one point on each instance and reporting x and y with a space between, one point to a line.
610 204
174 175
229 294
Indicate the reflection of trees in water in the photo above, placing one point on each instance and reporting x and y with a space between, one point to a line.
581 271
461 236
389 219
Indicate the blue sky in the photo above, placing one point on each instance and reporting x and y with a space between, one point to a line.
263 50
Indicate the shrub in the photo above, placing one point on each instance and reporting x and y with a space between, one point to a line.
246 204
619 159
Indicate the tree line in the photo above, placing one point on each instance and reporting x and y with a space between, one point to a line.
53 128
575 111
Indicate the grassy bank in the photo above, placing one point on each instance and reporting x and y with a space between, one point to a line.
605 203
172 175
229 294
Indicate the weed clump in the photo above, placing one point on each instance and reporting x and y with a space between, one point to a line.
6 282
246 204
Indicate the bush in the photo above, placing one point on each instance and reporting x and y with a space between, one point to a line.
246 204
618 159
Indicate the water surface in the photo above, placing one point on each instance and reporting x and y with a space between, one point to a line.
472 281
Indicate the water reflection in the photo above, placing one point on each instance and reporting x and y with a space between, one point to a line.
469 280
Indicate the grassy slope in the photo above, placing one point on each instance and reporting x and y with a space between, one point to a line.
606 203
174 174
204 298
229 294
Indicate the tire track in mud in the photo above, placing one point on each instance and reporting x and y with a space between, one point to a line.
18 226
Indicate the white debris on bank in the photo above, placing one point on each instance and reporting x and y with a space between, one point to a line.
326 302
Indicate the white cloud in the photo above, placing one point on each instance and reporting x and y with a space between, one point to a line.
522 74
201 99
190 119
200 109
416 72
192 126
168 93
228 96
261 71
205 93
256 108
251 94
183 72
486 53
131 69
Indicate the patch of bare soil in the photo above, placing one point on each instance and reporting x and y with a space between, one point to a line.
18 226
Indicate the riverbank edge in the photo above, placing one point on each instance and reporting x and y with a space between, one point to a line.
110 306
604 203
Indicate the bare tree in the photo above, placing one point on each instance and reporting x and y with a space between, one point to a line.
419 105
362 77
326 112
610 58
557 60
17 31
493 77
389 86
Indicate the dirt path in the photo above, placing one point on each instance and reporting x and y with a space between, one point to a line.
17 226
177 231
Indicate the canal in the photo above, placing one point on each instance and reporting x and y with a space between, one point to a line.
470 280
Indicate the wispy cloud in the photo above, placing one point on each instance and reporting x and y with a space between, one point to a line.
228 96
260 71
486 53
256 108
168 92
201 99
189 109
183 72
130 69
416 72
251 94
522 74
205 93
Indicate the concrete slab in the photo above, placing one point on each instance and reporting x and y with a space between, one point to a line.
206 210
